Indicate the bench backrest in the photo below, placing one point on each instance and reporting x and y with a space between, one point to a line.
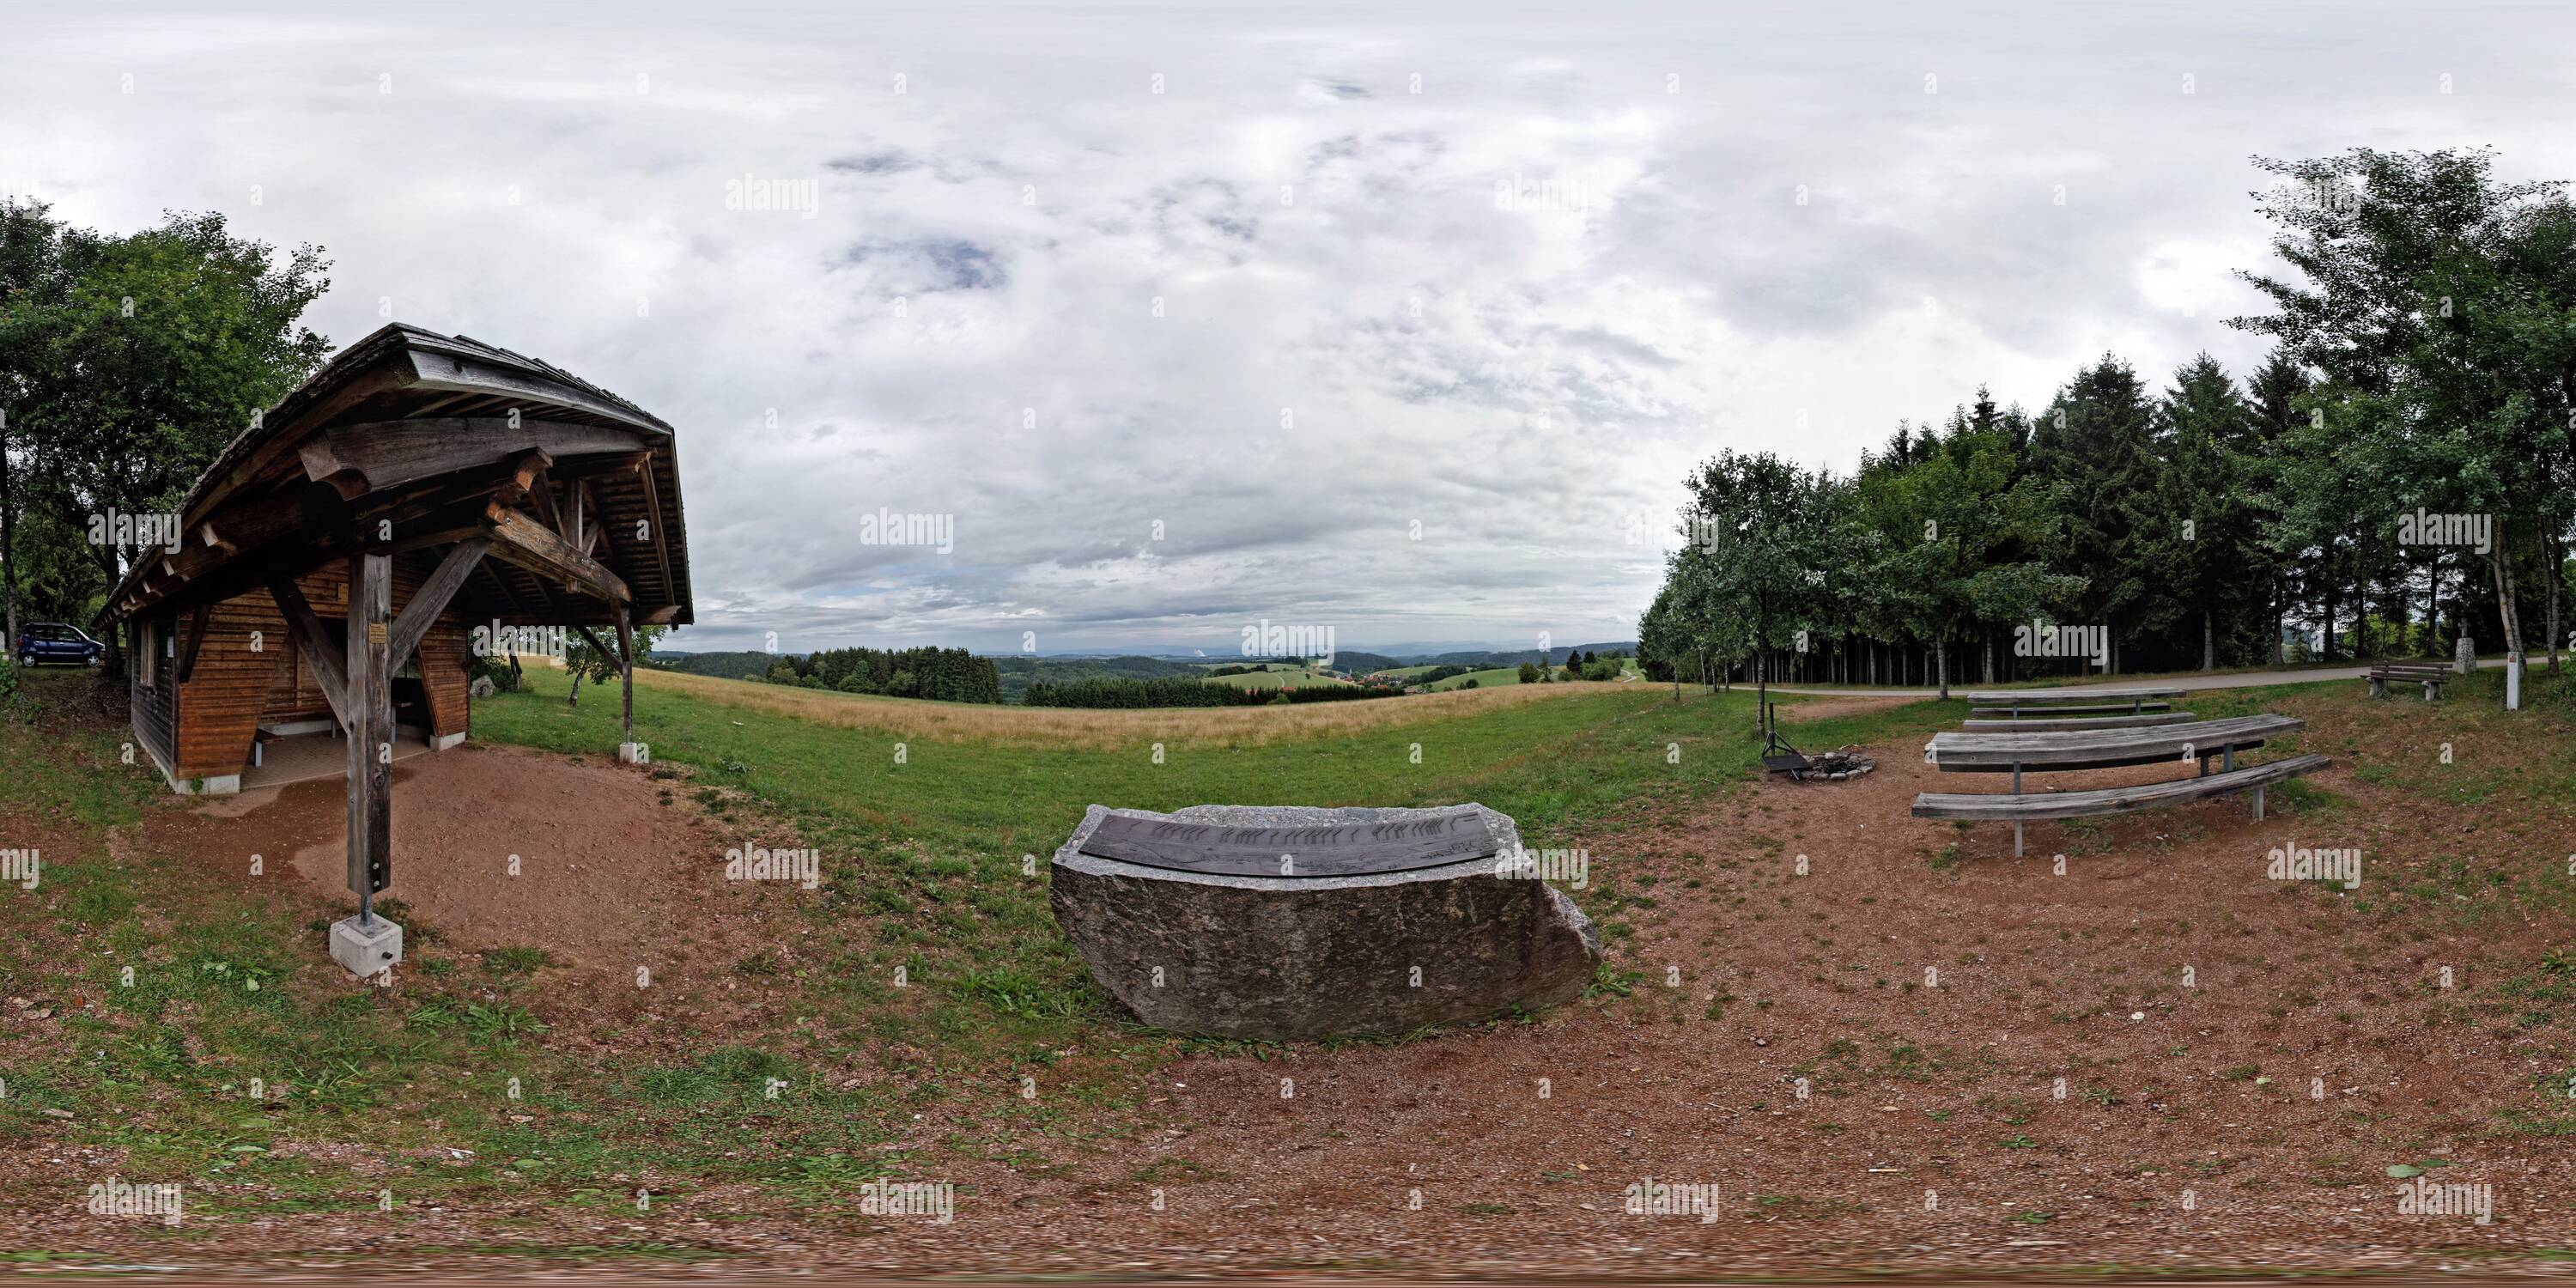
2106 746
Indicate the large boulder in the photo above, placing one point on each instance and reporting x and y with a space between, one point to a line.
1178 925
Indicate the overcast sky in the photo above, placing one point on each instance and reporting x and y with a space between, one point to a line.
1404 319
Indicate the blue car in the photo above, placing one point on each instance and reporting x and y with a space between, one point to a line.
57 642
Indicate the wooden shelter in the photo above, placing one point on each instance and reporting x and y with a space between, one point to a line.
338 556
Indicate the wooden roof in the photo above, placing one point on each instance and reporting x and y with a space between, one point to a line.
416 441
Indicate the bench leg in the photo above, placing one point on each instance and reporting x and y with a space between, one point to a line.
2378 687
2227 758
2258 804
2429 688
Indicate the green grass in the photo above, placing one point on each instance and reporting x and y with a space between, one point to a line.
1277 676
924 868
1483 679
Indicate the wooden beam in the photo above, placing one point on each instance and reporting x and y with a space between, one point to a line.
626 666
586 520
541 500
304 626
593 641
371 733
528 467
520 540
431 599
196 637
382 455
661 546
441 537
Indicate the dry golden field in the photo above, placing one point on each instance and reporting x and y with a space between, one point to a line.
1060 727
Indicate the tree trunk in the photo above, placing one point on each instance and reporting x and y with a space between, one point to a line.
1941 663
1762 689
2326 651
2208 644
8 538
2502 562
2280 653
2553 550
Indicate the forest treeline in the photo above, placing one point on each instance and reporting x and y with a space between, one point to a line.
2400 470
938 674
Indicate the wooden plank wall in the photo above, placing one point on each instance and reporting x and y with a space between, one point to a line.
234 688
154 709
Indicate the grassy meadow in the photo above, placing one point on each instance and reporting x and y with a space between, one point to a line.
1277 676
1496 678
925 816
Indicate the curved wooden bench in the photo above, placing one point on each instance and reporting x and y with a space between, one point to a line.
2087 722
2057 749
2044 697
2116 800
2106 748
2113 708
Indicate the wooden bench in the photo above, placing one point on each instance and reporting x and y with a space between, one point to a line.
2013 702
2070 749
2429 674
2104 748
2116 800
2050 715
2089 722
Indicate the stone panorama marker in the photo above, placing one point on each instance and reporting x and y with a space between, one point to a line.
1287 923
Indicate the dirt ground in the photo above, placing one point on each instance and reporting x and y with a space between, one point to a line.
609 877
2239 1122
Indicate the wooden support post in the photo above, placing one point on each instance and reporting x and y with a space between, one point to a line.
626 666
433 596
371 729
314 645
196 637
2016 790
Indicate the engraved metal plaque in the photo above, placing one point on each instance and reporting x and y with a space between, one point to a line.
1319 850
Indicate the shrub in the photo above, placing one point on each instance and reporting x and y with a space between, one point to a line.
504 678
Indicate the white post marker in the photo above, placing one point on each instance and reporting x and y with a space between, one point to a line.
2513 681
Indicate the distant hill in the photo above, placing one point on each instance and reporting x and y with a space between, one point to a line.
726 666
1363 663
1497 660
1021 671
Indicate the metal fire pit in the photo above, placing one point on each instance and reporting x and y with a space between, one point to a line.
1834 767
